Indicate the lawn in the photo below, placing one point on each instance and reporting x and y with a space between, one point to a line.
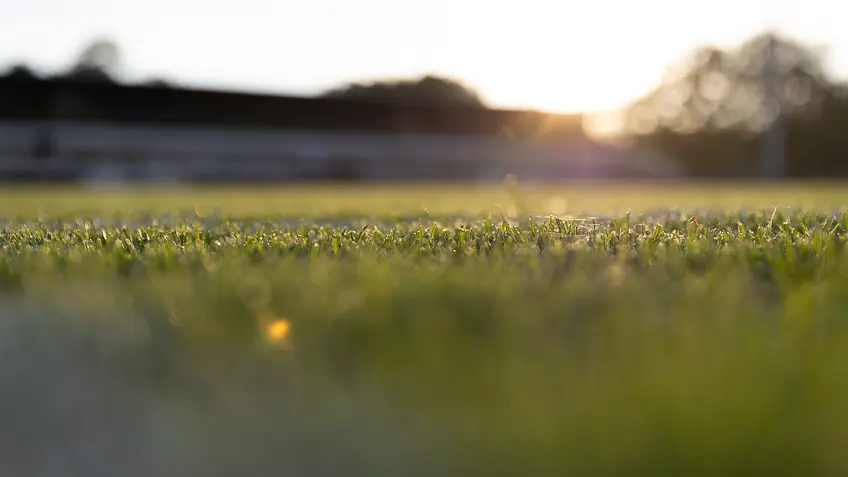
425 330
403 200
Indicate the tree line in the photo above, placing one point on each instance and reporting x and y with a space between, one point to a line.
714 107
100 60
97 61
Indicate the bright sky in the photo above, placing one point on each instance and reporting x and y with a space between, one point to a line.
559 55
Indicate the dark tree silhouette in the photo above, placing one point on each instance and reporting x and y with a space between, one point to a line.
157 83
97 62
426 90
19 72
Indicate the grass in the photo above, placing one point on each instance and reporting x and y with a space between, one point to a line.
396 200
144 337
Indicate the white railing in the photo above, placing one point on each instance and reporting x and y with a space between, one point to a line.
189 151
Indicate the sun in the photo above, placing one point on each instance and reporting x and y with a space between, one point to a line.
568 59
552 90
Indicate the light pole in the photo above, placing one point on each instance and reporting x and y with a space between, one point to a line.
773 141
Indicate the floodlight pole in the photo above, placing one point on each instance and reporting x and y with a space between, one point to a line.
773 142
772 148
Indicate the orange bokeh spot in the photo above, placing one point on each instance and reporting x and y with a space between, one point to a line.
277 330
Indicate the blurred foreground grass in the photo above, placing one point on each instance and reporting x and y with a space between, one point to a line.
634 346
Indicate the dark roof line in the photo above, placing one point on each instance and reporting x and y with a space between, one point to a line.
42 99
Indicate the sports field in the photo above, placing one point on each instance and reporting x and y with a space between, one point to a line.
456 330
412 200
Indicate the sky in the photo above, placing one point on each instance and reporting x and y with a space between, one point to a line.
555 55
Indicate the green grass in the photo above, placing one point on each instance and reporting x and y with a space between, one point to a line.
393 200
453 342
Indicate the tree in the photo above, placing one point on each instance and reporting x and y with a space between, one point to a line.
157 83
19 72
712 107
722 90
426 90
98 61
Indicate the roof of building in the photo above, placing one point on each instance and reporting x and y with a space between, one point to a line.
42 99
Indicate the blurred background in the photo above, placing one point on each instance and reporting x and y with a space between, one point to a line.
187 91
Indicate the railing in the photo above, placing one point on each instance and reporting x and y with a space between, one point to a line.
190 152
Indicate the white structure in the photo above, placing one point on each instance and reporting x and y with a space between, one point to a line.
195 153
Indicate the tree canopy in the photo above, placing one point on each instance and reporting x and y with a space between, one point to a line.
713 106
426 90
97 61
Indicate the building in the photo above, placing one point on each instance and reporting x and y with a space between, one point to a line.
53 129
